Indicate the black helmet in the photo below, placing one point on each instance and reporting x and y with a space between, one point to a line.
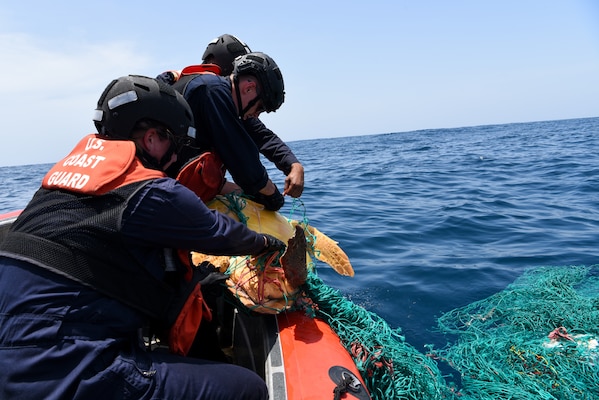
268 74
223 50
131 98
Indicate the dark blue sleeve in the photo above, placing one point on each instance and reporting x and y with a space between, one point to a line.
221 129
270 145
167 214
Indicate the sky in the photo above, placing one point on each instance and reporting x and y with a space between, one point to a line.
350 67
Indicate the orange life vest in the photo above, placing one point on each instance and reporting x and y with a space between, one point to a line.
97 165
204 175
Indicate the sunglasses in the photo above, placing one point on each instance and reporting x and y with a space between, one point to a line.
178 141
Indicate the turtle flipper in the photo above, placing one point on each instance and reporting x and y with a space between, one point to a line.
328 251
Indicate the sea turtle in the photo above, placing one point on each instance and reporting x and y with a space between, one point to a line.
273 285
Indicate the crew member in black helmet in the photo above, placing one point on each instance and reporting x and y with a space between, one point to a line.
84 267
226 110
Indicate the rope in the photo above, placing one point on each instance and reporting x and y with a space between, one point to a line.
236 204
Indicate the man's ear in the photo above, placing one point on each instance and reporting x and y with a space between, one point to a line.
249 86
149 138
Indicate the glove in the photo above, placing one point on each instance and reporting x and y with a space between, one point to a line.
272 244
273 202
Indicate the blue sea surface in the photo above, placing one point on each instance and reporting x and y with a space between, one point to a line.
436 219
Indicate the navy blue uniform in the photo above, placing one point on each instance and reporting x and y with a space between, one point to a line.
60 339
270 145
237 142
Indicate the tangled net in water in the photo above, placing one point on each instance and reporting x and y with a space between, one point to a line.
537 339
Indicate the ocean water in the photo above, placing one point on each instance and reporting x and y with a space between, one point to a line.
436 219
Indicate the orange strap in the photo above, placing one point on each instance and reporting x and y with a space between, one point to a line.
191 70
185 328
201 69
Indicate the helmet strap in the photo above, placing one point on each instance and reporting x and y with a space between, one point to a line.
238 94
168 155
250 105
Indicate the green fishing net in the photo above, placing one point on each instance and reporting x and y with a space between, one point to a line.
537 339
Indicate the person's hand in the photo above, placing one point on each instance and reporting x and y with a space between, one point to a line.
294 182
272 244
